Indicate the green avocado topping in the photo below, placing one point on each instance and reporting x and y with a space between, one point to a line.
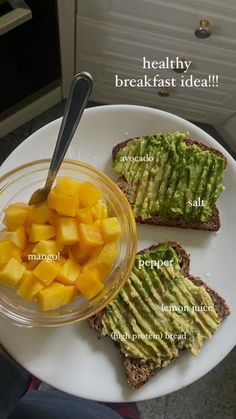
168 176
159 311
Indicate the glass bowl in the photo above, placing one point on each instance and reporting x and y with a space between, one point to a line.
18 185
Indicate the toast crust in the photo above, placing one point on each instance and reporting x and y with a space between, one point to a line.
213 224
137 371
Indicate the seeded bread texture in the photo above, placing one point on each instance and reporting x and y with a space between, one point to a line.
213 224
136 370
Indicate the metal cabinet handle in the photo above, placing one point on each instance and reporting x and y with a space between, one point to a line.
20 14
164 92
182 68
203 30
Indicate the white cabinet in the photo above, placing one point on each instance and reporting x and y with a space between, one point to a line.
112 36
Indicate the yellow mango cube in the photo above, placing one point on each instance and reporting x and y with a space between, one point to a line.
95 252
20 238
69 272
90 235
99 266
103 211
70 291
110 229
67 204
55 295
12 272
8 250
46 247
85 215
20 205
80 253
108 253
31 264
89 194
46 271
67 185
15 216
67 232
30 286
61 260
53 217
41 232
40 213
88 283
100 210
17 237
27 251
52 199
25 275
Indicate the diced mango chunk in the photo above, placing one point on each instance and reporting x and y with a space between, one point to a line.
17 237
96 264
41 232
67 244
46 271
8 250
70 292
12 272
55 296
52 199
88 283
31 264
67 232
20 205
61 260
100 210
81 253
85 215
69 272
90 235
40 213
30 286
67 204
110 229
27 251
24 276
46 247
89 194
15 216
108 253
67 185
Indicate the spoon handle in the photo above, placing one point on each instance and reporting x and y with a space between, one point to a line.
80 91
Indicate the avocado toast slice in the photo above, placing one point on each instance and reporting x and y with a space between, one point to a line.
171 180
159 313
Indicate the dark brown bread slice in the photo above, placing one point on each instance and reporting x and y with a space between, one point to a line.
138 372
213 224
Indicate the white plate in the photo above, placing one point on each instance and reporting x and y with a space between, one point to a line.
72 358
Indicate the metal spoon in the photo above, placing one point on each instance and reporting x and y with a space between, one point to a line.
81 88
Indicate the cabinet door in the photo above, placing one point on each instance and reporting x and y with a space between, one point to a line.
113 36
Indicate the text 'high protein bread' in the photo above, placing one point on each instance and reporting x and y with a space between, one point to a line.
160 312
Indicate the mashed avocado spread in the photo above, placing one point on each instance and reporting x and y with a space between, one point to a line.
165 174
158 311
